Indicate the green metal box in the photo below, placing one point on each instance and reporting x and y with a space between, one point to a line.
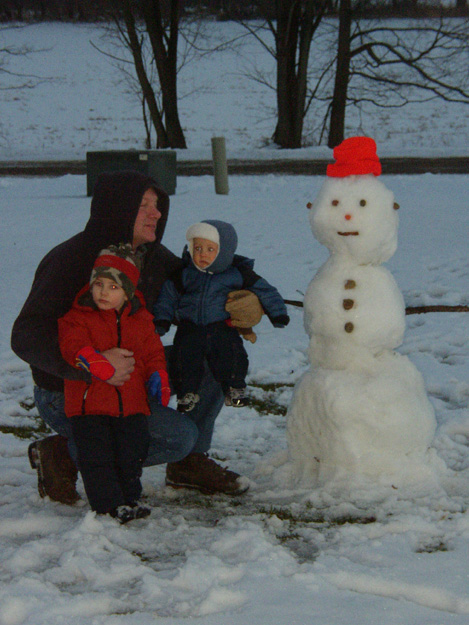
159 164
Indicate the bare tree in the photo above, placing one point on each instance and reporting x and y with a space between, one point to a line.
339 98
16 80
393 65
12 10
293 24
154 25
31 10
296 24
10 79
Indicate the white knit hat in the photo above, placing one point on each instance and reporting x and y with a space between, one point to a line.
201 231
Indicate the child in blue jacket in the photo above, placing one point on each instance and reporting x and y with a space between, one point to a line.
195 298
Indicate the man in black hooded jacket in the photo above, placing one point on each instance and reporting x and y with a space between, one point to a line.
127 207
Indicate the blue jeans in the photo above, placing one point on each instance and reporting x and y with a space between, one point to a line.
172 435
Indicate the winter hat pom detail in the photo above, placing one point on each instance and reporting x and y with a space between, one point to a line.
118 263
355 156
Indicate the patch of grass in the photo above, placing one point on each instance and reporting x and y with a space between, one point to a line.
284 540
27 404
315 516
284 514
143 557
433 547
266 404
25 432
273 386
33 430
361 520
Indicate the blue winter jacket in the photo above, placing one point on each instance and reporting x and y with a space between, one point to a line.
200 296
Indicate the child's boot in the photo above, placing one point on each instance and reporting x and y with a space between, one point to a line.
188 402
236 397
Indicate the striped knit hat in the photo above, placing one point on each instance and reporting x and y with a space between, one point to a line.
118 263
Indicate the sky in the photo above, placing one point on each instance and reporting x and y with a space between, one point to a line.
353 552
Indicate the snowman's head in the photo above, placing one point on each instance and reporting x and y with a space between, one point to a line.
355 217
354 214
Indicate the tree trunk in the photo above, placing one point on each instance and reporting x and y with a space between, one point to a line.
296 23
147 90
166 64
288 131
339 99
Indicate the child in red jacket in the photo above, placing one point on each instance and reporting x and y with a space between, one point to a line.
109 421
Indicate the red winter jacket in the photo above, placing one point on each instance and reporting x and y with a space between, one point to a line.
84 325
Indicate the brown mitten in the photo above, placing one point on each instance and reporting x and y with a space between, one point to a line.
248 334
246 311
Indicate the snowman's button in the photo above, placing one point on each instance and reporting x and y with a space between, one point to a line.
348 327
348 304
350 284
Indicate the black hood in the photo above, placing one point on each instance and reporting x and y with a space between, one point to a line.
116 200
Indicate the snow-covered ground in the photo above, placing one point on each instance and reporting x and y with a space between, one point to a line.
316 556
274 555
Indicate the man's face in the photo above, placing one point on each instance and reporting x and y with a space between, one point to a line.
146 220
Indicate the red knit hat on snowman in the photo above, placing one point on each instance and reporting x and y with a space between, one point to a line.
355 156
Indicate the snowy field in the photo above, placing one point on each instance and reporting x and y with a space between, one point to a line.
83 102
315 556
273 556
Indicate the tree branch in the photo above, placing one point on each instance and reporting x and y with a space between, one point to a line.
410 310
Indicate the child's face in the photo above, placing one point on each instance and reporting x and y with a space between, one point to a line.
107 294
204 252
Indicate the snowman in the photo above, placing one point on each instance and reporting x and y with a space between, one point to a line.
361 409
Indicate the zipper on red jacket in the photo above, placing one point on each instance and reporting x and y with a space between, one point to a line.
119 338
119 333
83 401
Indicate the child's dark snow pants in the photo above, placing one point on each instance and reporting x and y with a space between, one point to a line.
218 343
111 452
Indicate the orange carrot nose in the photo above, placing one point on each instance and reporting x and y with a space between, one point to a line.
348 217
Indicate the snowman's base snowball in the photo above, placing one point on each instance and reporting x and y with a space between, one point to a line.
376 423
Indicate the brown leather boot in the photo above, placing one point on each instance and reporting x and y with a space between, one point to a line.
56 472
200 472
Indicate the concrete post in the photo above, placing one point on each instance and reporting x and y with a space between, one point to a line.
220 167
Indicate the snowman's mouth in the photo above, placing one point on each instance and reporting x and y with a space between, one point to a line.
348 234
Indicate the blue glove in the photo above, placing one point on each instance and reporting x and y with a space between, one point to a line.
158 386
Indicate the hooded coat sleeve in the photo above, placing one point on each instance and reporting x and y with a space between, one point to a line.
73 336
35 332
167 302
271 300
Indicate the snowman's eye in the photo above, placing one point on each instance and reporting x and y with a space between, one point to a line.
362 202
335 202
